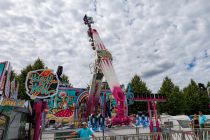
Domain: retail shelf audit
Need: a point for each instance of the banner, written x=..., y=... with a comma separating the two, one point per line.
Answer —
x=7, y=86
x=3, y=66
x=41, y=84
x=14, y=89
x=12, y=103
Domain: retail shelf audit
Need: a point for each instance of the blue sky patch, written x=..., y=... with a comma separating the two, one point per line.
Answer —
x=191, y=64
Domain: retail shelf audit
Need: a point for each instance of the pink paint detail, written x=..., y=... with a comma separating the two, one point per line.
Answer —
x=141, y=98
x=110, y=63
x=89, y=102
x=103, y=62
x=107, y=62
x=103, y=47
x=121, y=121
x=99, y=47
x=94, y=31
x=155, y=116
x=120, y=118
x=120, y=98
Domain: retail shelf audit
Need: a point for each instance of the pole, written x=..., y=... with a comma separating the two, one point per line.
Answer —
x=104, y=114
x=103, y=133
x=150, y=116
x=37, y=107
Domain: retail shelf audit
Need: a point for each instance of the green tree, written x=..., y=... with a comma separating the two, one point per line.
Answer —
x=38, y=64
x=174, y=103
x=196, y=99
x=208, y=84
x=139, y=88
x=65, y=79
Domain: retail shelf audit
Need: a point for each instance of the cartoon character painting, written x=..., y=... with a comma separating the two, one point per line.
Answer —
x=63, y=110
x=62, y=104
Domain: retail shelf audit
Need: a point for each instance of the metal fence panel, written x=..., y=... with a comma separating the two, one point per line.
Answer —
x=199, y=134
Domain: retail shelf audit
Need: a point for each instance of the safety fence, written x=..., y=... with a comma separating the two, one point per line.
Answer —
x=199, y=134
x=62, y=126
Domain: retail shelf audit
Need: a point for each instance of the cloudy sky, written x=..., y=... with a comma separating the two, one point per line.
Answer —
x=151, y=38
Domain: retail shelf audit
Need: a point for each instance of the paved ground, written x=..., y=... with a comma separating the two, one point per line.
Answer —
x=49, y=135
x=121, y=131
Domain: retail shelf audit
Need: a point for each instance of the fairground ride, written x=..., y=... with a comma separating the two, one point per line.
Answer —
x=103, y=68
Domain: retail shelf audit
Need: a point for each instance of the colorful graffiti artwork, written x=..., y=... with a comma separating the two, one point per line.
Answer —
x=70, y=103
x=62, y=104
x=41, y=84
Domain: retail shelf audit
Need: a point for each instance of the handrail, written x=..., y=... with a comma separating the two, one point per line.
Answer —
x=202, y=134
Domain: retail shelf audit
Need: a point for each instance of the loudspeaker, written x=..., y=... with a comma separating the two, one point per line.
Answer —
x=59, y=72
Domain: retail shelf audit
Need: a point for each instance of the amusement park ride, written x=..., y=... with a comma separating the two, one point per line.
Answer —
x=103, y=67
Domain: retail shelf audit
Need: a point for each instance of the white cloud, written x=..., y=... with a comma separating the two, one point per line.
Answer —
x=151, y=38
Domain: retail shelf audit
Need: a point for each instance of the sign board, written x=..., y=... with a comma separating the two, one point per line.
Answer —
x=7, y=86
x=3, y=66
x=104, y=54
x=14, y=89
x=12, y=103
x=41, y=84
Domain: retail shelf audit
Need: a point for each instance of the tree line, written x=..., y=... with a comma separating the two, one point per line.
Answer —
x=188, y=100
